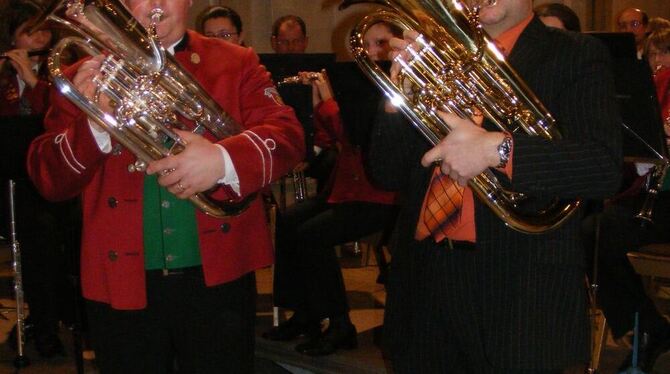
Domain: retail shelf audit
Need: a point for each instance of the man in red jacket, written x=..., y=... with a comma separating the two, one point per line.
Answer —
x=162, y=280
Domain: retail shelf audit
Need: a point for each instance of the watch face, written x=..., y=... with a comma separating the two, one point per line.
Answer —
x=504, y=149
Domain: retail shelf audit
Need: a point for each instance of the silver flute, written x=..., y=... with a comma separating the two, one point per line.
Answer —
x=21, y=360
x=297, y=79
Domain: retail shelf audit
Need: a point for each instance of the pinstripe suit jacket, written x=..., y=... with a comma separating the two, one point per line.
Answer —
x=535, y=319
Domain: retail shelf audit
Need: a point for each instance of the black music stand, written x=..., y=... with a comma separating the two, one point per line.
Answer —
x=636, y=95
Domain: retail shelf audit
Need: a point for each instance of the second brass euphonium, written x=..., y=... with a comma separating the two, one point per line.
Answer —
x=152, y=93
x=456, y=67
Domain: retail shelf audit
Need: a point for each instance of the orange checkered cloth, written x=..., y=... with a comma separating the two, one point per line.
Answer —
x=441, y=207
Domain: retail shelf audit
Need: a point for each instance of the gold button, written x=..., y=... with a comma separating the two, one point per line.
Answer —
x=195, y=58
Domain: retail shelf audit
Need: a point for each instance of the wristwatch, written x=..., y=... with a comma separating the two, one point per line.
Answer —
x=504, y=151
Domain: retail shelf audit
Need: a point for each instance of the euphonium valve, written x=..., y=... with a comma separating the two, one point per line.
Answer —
x=151, y=94
x=454, y=66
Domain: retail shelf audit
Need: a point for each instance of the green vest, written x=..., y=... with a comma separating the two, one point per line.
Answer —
x=170, y=229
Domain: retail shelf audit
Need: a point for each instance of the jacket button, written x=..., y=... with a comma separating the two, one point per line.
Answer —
x=116, y=150
x=225, y=227
x=112, y=202
x=112, y=255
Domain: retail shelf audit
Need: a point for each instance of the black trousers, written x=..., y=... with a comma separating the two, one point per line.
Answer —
x=186, y=325
x=467, y=310
x=308, y=277
x=620, y=289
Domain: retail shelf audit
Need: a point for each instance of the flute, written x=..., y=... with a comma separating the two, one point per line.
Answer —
x=37, y=52
x=297, y=79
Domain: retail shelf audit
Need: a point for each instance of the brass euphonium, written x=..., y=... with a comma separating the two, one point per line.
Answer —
x=151, y=92
x=456, y=67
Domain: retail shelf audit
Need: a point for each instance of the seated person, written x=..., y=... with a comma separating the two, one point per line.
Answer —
x=308, y=278
x=221, y=22
x=559, y=16
x=620, y=289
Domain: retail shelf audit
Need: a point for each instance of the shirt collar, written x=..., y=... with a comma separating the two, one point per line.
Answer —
x=180, y=45
x=508, y=38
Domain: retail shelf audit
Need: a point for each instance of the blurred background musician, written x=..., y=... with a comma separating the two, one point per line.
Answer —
x=221, y=22
x=289, y=35
x=657, y=23
x=42, y=227
x=635, y=21
x=308, y=278
x=558, y=15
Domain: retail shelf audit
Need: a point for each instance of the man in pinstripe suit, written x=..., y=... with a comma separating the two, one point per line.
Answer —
x=491, y=299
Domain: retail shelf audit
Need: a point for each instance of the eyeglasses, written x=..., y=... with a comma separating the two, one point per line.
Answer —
x=285, y=42
x=632, y=24
x=379, y=43
x=222, y=35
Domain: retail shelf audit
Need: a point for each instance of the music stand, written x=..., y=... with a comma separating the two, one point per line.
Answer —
x=636, y=95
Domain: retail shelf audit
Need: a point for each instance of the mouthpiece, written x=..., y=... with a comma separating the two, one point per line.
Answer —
x=156, y=15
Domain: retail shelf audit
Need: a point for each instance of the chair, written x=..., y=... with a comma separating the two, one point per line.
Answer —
x=652, y=262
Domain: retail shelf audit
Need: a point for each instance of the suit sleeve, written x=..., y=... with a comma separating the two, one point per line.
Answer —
x=273, y=141
x=396, y=148
x=586, y=163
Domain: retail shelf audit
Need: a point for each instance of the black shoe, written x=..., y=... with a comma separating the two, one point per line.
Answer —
x=652, y=346
x=28, y=334
x=49, y=345
x=292, y=328
x=338, y=335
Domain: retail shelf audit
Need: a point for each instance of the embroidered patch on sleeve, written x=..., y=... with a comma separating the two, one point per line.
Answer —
x=272, y=93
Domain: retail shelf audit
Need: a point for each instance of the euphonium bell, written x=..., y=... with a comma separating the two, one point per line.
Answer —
x=151, y=92
x=456, y=67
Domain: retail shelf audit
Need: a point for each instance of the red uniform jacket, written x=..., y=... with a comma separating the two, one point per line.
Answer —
x=66, y=161
x=349, y=180
x=38, y=96
x=662, y=81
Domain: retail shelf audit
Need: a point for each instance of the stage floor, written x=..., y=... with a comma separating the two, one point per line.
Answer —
x=366, y=299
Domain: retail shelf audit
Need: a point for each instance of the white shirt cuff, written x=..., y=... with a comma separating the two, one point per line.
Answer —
x=102, y=137
x=230, y=178
x=643, y=168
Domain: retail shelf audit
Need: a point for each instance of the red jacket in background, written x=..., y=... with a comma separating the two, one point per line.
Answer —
x=349, y=180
